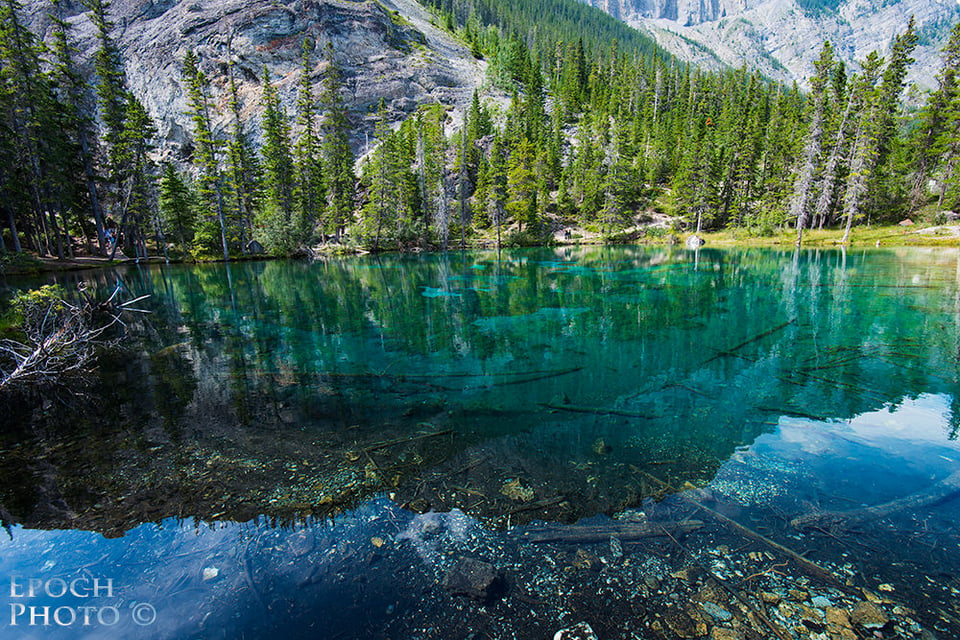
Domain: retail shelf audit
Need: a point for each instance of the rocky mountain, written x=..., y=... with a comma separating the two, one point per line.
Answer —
x=386, y=49
x=781, y=38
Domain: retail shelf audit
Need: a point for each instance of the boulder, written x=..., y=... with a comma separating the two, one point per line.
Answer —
x=869, y=616
x=475, y=579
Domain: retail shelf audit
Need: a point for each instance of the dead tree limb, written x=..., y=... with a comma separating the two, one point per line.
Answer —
x=759, y=336
x=834, y=520
x=623, y=531
x=810, y=567
x=59, y=341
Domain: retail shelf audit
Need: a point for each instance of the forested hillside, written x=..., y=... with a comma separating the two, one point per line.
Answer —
x=580, y=123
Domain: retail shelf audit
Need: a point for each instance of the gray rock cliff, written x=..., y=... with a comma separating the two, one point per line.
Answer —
x=781, y=39
x=387, y=49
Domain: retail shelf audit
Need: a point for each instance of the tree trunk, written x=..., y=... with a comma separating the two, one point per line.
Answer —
x=12, y=223
x=92, y=190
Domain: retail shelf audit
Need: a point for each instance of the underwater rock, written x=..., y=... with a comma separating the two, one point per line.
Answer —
x=685, y=625
x=821, y=602
x=301, y=543
x=616, y=549
x=723, y=633
x=475, y=579
x=868, y=616
x=838, y=623
x=579, y=631
x=418, y=505
x=717, y=612
x=688, y=575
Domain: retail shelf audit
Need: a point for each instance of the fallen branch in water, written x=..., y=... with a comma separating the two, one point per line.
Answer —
x=623, y=531
x=539, y=504
x=600, y=412
x=810, y=567
x=759, y=336
x=390, y=443
x=780, y=633
x=836, y=520
x=533, y=378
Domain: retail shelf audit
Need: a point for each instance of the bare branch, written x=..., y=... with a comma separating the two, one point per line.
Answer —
x=61, y=342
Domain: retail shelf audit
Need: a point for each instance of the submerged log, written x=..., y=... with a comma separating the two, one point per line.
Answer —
x=732, y=350
x=390, y=443
x=807, y=565
x=537, y=504
x=834, y=520
x=623, y=531
x=597, y=411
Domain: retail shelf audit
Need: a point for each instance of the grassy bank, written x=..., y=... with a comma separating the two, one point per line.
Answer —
x=882, y=236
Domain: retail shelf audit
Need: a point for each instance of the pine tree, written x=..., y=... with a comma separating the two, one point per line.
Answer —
x=884, y=187
x=863, y=151
x=73, y=87
x=430, y=150
x=176, y=206
x=339, y=178
x=804, y=186
x=279, y=224
x=243, y=168
x=206, y=155
x=826, y=199
x=379, y=176
x=308, y=159
x=938, y=120
x=111, y=91
x=497, y=199
x=133, y=148
x=30, y=132
x=522, y=186
x=617, y=182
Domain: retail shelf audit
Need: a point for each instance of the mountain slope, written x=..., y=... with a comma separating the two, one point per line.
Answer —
x=386, y=50
x=781, y=38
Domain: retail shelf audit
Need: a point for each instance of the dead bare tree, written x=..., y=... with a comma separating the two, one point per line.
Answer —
x=60, y=341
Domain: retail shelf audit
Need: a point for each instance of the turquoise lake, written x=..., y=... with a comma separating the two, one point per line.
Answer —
x=309, y=448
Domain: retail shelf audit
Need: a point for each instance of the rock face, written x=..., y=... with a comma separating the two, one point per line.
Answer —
x=780, y=38
x=386, y=49
x=683, y=12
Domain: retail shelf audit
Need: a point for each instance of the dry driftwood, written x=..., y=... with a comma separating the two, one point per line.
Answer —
x=834, y=520
x=60, y=342
x=623, y=531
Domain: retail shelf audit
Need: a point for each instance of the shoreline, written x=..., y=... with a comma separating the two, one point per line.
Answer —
x=889, y=236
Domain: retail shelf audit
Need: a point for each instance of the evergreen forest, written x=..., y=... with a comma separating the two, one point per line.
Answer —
x=582, y=124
